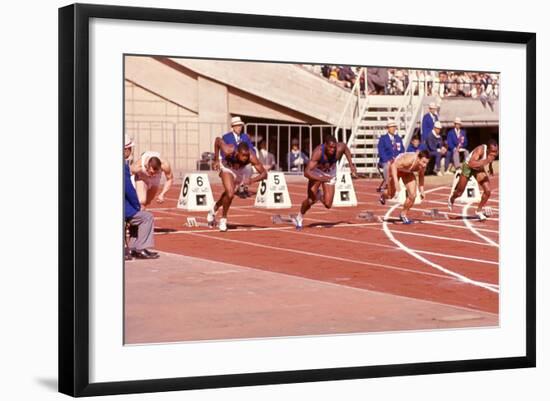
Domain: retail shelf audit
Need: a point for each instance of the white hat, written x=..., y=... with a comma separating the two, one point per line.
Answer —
x=432, y=106
x=128, y=143
x=236, y=121
x=437, y=124
x=391, y=123
x=458, y=120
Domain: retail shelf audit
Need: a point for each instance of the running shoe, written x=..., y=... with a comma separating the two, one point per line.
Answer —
x=211, y=217
x=481, y=216
x=405, y=219
x=439, y=174
x=223, y=224
x=299, y=221
x=382, y=199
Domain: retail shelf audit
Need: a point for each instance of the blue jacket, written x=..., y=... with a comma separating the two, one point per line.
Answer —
x=433, y=143
x=291, y=158
x=229, y=138
x=131, y=201
x=453, y=140
x=411, y=148
x=427, y=125
x=388, y=150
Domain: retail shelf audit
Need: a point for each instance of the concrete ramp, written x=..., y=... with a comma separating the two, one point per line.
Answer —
x=178, y=298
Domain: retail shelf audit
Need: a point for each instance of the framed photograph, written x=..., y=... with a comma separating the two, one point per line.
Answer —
x=252, y=199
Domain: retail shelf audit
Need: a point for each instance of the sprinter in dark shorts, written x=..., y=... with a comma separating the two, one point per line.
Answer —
x=321, y=173
x=475, y=165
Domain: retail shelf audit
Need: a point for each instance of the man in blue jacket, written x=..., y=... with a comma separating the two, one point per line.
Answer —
x=142, y=224
x=436, y=147
x=458, y=143
x=390, y=146
x=428, y=121
x=235, y=137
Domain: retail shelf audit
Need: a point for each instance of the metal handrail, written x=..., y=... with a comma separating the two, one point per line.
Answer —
x=355, y=94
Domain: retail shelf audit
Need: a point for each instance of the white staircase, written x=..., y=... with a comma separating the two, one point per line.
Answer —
x=371, y=115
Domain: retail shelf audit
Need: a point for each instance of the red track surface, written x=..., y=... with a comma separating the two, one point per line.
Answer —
x=335, y=246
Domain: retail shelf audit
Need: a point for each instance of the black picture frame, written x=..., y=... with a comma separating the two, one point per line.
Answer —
x=74, y=198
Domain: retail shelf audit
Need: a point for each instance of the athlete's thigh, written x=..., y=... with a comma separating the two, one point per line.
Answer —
x=410, y=183
x=151, y=193
x=228, y=182
x=328, y=192
x=483, y=180
x=461, y=184
x=312, y=188
x=141, y=190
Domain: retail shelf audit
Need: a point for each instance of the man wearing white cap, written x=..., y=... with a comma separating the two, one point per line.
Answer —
x=457, y=142
x=428, y=121
x=390, y=146
x=128, y=149
x=235, y=137
x=436, y=147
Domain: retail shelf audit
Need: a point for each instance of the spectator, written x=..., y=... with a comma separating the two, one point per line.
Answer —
x=377, y=80
x=390, y=146
x=128, y=148
x=428, y=121
x=235, y=137
x=346, y=75
x=142, y=224
x=458, y=143
x=436, y=147
x=414, y=146
x=296, y=158
x=266, y=158
x=487, y=96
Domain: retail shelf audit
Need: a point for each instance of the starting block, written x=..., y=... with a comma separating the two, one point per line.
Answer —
x=489, y=211
x=436, y=214
x=369, y=216
x=283, y=219
x=192, y=222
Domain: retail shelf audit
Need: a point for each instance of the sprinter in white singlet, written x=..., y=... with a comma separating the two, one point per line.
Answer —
x=147, y=171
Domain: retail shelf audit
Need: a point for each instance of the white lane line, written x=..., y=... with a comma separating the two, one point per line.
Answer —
x=322, y=256
x=461, y=226
x=329, y=283
x=445, y=203
x=487, y=286
x=443, y=255
x=473, y=229
x=439, y=237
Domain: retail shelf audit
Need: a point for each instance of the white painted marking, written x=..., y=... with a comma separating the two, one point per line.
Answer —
x=461, y=227
x=443, y=255
x=329, y=283
x=487, y=286
x=472, y=228
x=322, y=256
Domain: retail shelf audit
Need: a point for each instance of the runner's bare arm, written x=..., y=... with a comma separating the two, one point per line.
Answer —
x=475, y=163
x=312, y=164
x=421, y=182
x=352, y=167
x=393, y=172
x=491, y=171
x=262, y=172
x=136, y=167
x=167, y=169
x=219, y=144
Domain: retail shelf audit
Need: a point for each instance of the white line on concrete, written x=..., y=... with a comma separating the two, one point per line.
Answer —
x=487, y=286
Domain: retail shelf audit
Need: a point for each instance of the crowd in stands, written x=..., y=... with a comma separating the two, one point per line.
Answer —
x=394, y=81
